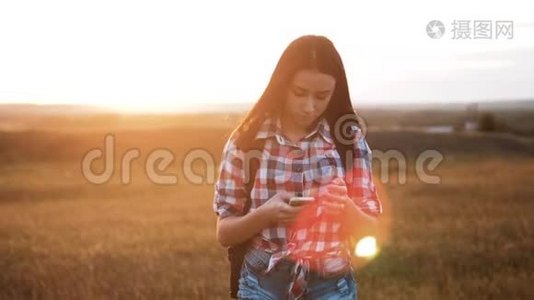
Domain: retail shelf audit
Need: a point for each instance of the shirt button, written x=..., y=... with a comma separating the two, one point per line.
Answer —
x=299, y=169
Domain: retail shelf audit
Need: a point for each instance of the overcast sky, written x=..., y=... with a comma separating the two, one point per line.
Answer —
x=171, y=55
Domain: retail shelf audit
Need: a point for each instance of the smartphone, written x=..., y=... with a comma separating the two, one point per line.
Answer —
x=299, y=201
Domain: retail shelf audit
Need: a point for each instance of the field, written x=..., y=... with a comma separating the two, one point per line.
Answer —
x=471, y=236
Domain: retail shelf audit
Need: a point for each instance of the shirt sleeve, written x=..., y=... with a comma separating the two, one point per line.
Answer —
x=230, y=195
x=362, y=188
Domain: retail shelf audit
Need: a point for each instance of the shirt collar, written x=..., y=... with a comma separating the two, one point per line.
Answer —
x=272, y=126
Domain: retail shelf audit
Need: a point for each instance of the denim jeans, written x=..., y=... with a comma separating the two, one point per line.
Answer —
x=253, y=284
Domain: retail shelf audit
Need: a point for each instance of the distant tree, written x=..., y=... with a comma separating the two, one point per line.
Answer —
x=487, y=122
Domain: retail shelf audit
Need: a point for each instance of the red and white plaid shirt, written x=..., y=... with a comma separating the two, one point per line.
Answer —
x=300, y=167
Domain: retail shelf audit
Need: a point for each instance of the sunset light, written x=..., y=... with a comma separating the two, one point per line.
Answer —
x=171, y=56
x=366, y=247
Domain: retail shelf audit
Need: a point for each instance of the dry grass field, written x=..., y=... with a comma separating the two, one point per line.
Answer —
x=469, y=237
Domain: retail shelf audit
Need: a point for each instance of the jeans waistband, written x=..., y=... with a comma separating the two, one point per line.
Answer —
x=259, y=259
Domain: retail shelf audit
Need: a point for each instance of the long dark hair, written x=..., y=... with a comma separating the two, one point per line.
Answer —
x=306, y=52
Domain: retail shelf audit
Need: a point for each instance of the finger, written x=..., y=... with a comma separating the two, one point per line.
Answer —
x=284, y=219
x=334, y=190
x=335, y=198
x=295, y=210
x=284, y=195
x=337, y=189
x=333, y=205
x=339, y=180
x=289, y=213
x=286, y=208
x=288, y=219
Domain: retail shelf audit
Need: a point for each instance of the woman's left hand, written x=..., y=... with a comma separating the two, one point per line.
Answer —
x=334, y=197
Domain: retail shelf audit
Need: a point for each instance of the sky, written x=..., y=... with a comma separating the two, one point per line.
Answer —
x=178, y=55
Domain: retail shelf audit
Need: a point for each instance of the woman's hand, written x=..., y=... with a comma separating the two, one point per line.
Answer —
x=334, y=197
x=277, y=210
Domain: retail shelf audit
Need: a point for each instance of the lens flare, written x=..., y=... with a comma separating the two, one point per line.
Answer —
x=366, y=247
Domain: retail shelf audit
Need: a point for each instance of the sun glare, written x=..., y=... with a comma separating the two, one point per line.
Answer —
x=187, y=57
x=366, y=247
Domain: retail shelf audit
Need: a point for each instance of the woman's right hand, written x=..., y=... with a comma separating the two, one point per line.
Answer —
x=277, y=210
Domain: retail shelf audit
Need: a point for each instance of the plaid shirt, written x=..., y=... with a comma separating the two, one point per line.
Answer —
x=299, y=168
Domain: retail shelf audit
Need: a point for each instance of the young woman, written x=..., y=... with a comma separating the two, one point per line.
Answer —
x=298, y=252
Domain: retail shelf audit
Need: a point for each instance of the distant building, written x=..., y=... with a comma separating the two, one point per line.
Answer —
x=470, y=126
x=440, y=129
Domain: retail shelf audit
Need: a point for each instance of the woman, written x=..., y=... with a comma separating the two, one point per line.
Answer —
x=298, y=252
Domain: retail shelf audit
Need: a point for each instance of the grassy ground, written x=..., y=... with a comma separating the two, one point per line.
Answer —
x=469, y=237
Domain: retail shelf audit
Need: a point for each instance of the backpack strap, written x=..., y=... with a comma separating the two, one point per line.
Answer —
x=254, y=166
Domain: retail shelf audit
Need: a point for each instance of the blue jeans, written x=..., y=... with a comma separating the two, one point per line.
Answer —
x=274, y=285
